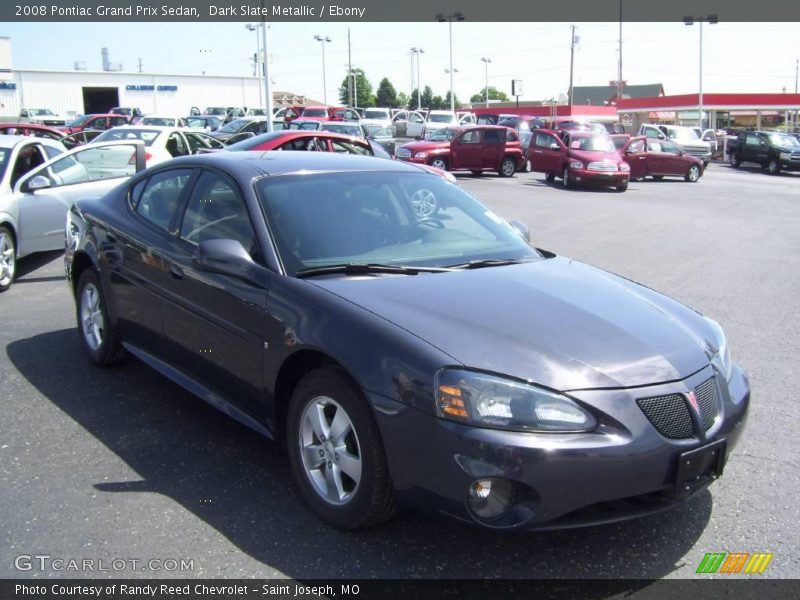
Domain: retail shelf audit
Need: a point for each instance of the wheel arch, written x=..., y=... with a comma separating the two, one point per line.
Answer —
x=81, y=261
x=8, y=224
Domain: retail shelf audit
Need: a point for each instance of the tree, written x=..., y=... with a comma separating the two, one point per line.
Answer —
x=435, y=103
x=427, y=97
x=411, y=102
x=494, y=94
x=363, y=90
x=446, y=102
x=386, y=94
x=402, y=100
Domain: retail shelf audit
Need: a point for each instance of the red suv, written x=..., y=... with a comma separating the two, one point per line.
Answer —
x=102, y=122
x=476, y=149
x=578, y=157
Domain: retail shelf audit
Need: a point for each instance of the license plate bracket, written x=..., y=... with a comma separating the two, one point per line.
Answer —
x=699, y=467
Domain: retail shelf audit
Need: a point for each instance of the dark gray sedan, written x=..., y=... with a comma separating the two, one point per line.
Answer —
x=409, y=346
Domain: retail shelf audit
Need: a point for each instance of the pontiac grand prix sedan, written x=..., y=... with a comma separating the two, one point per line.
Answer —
x=429, y=360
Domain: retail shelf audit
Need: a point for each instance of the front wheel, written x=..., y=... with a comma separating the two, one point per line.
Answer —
x=773, y=167
x=94, y=326
x=8, y=259
x=336, y=453
x=621, y=187
x=734, y=160
x=507, y=168
x=439, y=163
x=693, y=174
x=550, y=177
x=565, y=178
x=477, y=172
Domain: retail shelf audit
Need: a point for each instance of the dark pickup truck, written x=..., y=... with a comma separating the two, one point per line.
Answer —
x=774, y=151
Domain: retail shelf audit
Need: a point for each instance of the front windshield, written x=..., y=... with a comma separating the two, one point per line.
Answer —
x=395, y=218
x=126, y=133
x=41, y=112
x=79, y=121
x=216, y=110
x=234, y=126
x=159, y=121
x=315, y=112
x=345, y=129
x=676, y=133
x=783, y=140
x=440, y=135
x=595, y=143
x=442, y=118
x=372, y=113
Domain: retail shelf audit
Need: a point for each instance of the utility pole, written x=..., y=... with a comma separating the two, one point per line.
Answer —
x=349, y=72
x=140, y=70
x=449, y=18
x=571, y=64
x=486, y=62
x=619, y=70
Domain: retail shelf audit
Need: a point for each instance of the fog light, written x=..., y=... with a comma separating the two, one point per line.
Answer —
x=490, y=498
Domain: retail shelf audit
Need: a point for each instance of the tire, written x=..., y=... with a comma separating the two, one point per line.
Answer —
x=477, y=173
x=550, y=177
x=439, y=163
x=526, y=166
x=658, y=177
x=565, y=178
x=94, y=327
x=693, y=174
x=622, y=187
x=8, y=259
x=734, y=160
x=344, y=501
x=773, y=167
x=507, y=168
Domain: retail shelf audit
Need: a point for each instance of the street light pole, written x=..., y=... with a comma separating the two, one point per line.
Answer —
x=449, y=18
x=256, y=64
x=712, y=20
x=486, y=62
x=417, y=52
x=322, y=40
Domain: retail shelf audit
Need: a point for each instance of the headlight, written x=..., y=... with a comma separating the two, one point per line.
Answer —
x=625, y=167
x=421, y=154
x=785, y=156
x=489, y=401
x=720, y=357
x=575, y=164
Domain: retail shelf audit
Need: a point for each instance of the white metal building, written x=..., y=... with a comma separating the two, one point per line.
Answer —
x=71, y=93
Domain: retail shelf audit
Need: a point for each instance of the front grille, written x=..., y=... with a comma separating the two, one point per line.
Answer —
x=669, y=415
x=697, y=151
x=403, y=153
x=707, y=396
x=602, y=166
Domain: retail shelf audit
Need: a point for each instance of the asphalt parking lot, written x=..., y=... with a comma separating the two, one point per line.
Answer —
x=122, y=464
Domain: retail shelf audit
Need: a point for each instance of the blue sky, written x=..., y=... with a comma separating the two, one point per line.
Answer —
x=744, y=57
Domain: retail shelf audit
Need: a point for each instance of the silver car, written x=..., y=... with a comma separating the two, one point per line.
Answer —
x=39, y=181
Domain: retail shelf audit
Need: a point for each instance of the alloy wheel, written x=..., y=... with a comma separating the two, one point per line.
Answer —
x=8, y=259
x=330, y=450
x=93, y=325
x=439, y=163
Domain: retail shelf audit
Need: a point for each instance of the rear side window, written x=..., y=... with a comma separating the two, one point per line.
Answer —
x=492, y=136
x=158, y=200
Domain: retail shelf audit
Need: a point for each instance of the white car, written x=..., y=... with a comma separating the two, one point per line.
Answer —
x=409, y=123
x=162, y=143
x=40, y=180
x=439, y=119
x=162, y=121
x=377, y=116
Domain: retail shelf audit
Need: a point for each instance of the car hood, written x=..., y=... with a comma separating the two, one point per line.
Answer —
x=555, y=322
x=425, y=146
x=594, y=156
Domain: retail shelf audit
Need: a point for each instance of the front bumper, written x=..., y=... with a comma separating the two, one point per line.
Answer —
x=414, y=159
x=602, y=178
x=623, y=469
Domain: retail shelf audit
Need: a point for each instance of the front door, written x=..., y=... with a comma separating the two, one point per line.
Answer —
x=466, y=151
x=546, y=152
x=635, y=154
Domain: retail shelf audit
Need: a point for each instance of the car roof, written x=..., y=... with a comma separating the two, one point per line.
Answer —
x=297, y=162
x=9, y=141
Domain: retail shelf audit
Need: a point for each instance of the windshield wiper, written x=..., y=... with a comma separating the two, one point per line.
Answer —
x=366, y=268
x=488, y=262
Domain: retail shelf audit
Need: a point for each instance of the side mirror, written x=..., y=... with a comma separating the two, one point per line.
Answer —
x=522, y=230
x=553, y=146
x=38, y=182
x=226, y=257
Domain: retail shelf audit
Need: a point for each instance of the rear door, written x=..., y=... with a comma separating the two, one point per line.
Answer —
x=546, y=152
x=493, y=146
x=85, y=172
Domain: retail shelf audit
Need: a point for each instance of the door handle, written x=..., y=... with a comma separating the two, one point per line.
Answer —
x=176, y=272
x=537, y=151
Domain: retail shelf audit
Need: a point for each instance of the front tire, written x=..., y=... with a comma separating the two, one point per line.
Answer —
x=8, y=259
x=621, y=187
x=97, y=336
x=439, y=163
x=336, y=453
x=693, y=174
x=565, y=178
x=734, y=161
x=550, y=177
x=773, y=167
x=507, y=168
x=477, y=173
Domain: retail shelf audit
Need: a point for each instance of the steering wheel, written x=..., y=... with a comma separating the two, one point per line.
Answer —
x=423, y=203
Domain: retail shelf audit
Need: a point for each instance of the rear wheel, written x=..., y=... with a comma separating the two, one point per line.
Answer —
x=477, y=172
x=658, y=177
x=773, y=167
x=565, y=178
x=336, y=453
x=734, y=160
x=8, y=259
x=526, y=166
x=94, y=326
x=693, y=174
x=439, y=163
x=550, y=177
x=507, y=168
